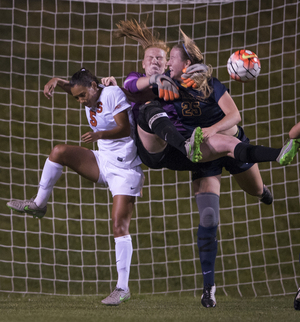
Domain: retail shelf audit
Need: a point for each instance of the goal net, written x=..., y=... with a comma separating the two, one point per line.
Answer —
x=71, y=250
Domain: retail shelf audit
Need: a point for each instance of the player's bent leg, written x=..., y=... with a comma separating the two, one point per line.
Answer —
x=154, y=119
x=218, y=146
x=251, y=182
x=77, y=158
x=150, y=141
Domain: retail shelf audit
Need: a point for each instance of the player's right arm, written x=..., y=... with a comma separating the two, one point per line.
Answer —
x=167, y=89
x=139, y=95
x=50, y=86
x=143, y=83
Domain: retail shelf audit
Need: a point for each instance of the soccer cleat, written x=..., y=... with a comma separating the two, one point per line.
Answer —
x=266, y=196
x=27, y=206
x=288, y=151
x=297, y=300
x=192, y=145
x=116, y=297
x=208, y=297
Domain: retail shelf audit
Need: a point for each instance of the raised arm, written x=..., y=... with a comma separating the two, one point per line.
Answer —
x=50, y=86
x=232, y=117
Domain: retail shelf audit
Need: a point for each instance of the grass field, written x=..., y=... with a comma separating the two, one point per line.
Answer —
x=146, y=308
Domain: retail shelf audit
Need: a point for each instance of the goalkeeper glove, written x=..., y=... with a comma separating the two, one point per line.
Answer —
x=192, y=72
x=167, y=89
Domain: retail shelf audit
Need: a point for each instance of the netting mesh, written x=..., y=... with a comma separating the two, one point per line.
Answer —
x=71, y=250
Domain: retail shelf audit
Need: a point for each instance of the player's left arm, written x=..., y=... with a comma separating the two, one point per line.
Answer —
x=121, y=130
x=232, y=116
x=117, y=104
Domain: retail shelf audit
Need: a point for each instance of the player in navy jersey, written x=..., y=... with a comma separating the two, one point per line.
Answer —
x=115, y=164
x=206, y=176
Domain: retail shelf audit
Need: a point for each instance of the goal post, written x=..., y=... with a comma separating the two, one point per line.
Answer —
x=71, y=250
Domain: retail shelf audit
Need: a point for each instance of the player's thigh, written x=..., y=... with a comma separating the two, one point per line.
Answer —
x=151, y=142
x=79, y=159
x=207, y=185
x=218, y=146
x=250, y=181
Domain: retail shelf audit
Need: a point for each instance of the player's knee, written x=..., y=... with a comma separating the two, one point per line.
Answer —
x=57, y=153
x=149, y=113
x=208, y=206
x=120, y=229
x=209, y=218
x=150, y=106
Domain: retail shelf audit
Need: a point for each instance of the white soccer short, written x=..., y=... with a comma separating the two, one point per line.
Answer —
x=120, y=181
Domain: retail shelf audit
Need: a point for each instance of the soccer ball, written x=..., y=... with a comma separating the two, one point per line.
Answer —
x=243, y=65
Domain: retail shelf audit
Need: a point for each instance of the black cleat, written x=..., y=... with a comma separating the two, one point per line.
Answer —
x=208, y=297
x=266, y=196
x=297, y=300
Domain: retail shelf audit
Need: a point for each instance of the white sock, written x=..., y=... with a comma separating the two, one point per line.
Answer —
x=51, y=173
x=124, y=251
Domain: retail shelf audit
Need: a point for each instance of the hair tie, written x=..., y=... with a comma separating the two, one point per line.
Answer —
x=187, y=52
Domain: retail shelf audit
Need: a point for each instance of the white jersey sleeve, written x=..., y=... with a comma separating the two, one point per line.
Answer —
x=115, y=99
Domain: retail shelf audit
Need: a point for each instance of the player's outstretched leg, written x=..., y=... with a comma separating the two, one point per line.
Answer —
x=27, y=206
x=37, y=206
x=116, y=297
x=288, y=151
x=192, y=145
x=297, y=300
x=208, y=298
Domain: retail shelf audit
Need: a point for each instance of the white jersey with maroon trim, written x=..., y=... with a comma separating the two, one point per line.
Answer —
x=120, y=152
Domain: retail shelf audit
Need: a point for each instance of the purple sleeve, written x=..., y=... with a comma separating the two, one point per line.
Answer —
x=130, y=81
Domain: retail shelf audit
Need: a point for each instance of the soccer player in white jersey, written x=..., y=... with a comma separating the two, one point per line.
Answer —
x=115, y=163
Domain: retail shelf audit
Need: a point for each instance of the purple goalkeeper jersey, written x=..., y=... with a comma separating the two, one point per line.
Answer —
x=130, y=85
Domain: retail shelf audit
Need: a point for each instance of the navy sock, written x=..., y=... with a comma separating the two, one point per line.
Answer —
x=208, y=248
